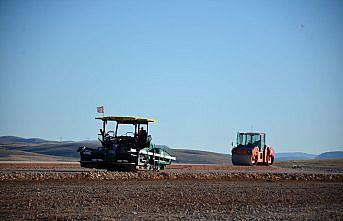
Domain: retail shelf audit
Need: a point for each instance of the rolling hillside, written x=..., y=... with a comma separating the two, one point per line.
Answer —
x=18, y=148
x=199, y=157
x=34, y=149
x=18, y=155
x=330, y=155
x=294, y=156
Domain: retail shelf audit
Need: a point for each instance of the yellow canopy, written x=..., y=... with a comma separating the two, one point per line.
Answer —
x=127, y=119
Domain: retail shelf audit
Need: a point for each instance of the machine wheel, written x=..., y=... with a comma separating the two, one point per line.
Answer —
x=270, y=160
x=253, y=160
x=243, y=160
x=149, y=167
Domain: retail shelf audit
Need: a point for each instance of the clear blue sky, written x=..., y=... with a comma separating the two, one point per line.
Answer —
x=204, y=69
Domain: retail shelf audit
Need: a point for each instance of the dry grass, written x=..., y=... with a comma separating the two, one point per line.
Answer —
x=38, y=165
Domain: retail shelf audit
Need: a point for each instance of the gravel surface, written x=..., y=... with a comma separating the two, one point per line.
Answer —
x=171, y=200
x=50, y=191
x=169, y=175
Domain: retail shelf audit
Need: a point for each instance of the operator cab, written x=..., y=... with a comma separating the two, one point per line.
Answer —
x=128, y=130
x=250, y=139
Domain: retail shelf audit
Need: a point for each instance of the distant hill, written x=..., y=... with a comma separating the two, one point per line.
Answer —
x=12, y=147
x=14, y=139
x=44, y=148
x=34, y=148
x=330, y=155
x=18, y=155
x=199, y=157
x=294, y=156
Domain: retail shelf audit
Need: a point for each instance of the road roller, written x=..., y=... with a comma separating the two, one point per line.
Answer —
x=251, y=149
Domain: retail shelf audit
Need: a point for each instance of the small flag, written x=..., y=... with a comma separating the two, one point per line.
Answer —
x=100, y=109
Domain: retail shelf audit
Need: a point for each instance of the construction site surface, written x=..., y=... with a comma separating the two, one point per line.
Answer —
x=298, y=190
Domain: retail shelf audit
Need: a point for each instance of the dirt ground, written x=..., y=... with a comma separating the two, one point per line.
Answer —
x=183, y=192
x=312, y=166
x=171, y=200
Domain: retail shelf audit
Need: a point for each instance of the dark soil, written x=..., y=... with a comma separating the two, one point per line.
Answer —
x=171, y=200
